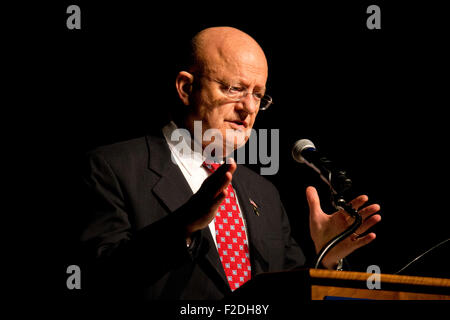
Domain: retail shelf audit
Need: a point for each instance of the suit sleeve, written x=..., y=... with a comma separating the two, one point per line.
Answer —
x=116, y=254
x=294, y=257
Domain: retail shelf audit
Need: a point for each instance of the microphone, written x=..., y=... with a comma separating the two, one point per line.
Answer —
x=304, y=151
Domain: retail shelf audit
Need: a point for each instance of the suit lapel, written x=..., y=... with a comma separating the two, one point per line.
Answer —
x=173, y=190
x=254, y=223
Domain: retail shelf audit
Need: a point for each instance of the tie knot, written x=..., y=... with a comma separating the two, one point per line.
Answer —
x=211, y=167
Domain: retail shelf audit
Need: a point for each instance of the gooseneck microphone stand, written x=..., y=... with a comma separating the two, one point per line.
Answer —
x=339, y=203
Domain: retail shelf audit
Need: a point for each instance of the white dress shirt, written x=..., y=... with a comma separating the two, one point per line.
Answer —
x=190, y=164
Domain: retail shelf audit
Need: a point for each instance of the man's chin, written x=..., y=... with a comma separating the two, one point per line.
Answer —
x=230, y=146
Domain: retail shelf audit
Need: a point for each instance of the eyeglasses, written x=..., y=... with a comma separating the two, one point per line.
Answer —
x=237, y=92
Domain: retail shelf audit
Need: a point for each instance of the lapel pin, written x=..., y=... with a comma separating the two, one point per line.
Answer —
x=255, y=206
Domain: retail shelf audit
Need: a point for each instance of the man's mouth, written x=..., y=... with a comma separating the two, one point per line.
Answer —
x=238, y=124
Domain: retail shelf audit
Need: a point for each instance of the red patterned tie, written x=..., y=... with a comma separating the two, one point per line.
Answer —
x=231, y=239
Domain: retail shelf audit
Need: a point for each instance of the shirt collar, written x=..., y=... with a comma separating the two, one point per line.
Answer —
x=179, y=141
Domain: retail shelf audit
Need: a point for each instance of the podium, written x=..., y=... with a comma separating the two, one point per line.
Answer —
x=320, y=284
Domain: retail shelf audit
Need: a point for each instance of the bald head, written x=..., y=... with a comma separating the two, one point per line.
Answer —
x=217, y=48
x=227, y=65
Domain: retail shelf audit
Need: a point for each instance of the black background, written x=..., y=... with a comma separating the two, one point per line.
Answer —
x=373, y=100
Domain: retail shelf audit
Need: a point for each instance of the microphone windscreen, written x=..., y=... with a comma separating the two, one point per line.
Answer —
x=299, y=146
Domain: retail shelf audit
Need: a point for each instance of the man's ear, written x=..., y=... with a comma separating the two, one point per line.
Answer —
x=183, y=83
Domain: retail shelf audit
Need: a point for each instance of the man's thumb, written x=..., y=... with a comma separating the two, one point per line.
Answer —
x=313, y=199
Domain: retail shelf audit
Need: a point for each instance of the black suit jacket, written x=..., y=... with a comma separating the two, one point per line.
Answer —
x=133, y=238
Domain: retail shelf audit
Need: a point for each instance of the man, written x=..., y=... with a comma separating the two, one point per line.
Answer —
x=159, y=221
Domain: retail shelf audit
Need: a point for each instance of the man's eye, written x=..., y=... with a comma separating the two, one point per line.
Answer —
x=258, y=95
x=236, y=89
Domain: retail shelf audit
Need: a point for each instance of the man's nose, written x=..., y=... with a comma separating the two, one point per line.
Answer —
x=249, y=103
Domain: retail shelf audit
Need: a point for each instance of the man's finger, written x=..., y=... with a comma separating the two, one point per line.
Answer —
x=219, y=199
x=227, y=166
x=369, y=223
x=313, y=200
x=216, y=176
x=359, y=242
x=359, y=201
x=218, y=181
x=370, y=210
x=224, y=185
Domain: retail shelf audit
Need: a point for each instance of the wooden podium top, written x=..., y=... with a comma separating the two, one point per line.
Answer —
x=385, y=278
x=328, y=284
x=320, y=284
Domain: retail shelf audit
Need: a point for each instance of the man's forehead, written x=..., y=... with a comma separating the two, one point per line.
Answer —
x=229, y=48
x=241, y=68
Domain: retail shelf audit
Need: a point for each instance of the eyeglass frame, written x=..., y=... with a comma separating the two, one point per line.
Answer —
x=244, y=90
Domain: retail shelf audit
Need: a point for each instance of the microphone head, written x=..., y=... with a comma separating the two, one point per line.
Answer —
x=299, y=146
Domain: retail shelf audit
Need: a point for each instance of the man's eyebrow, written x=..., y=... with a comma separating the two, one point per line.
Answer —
x=259, y=89
x=263, y=88
x=245, y=84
